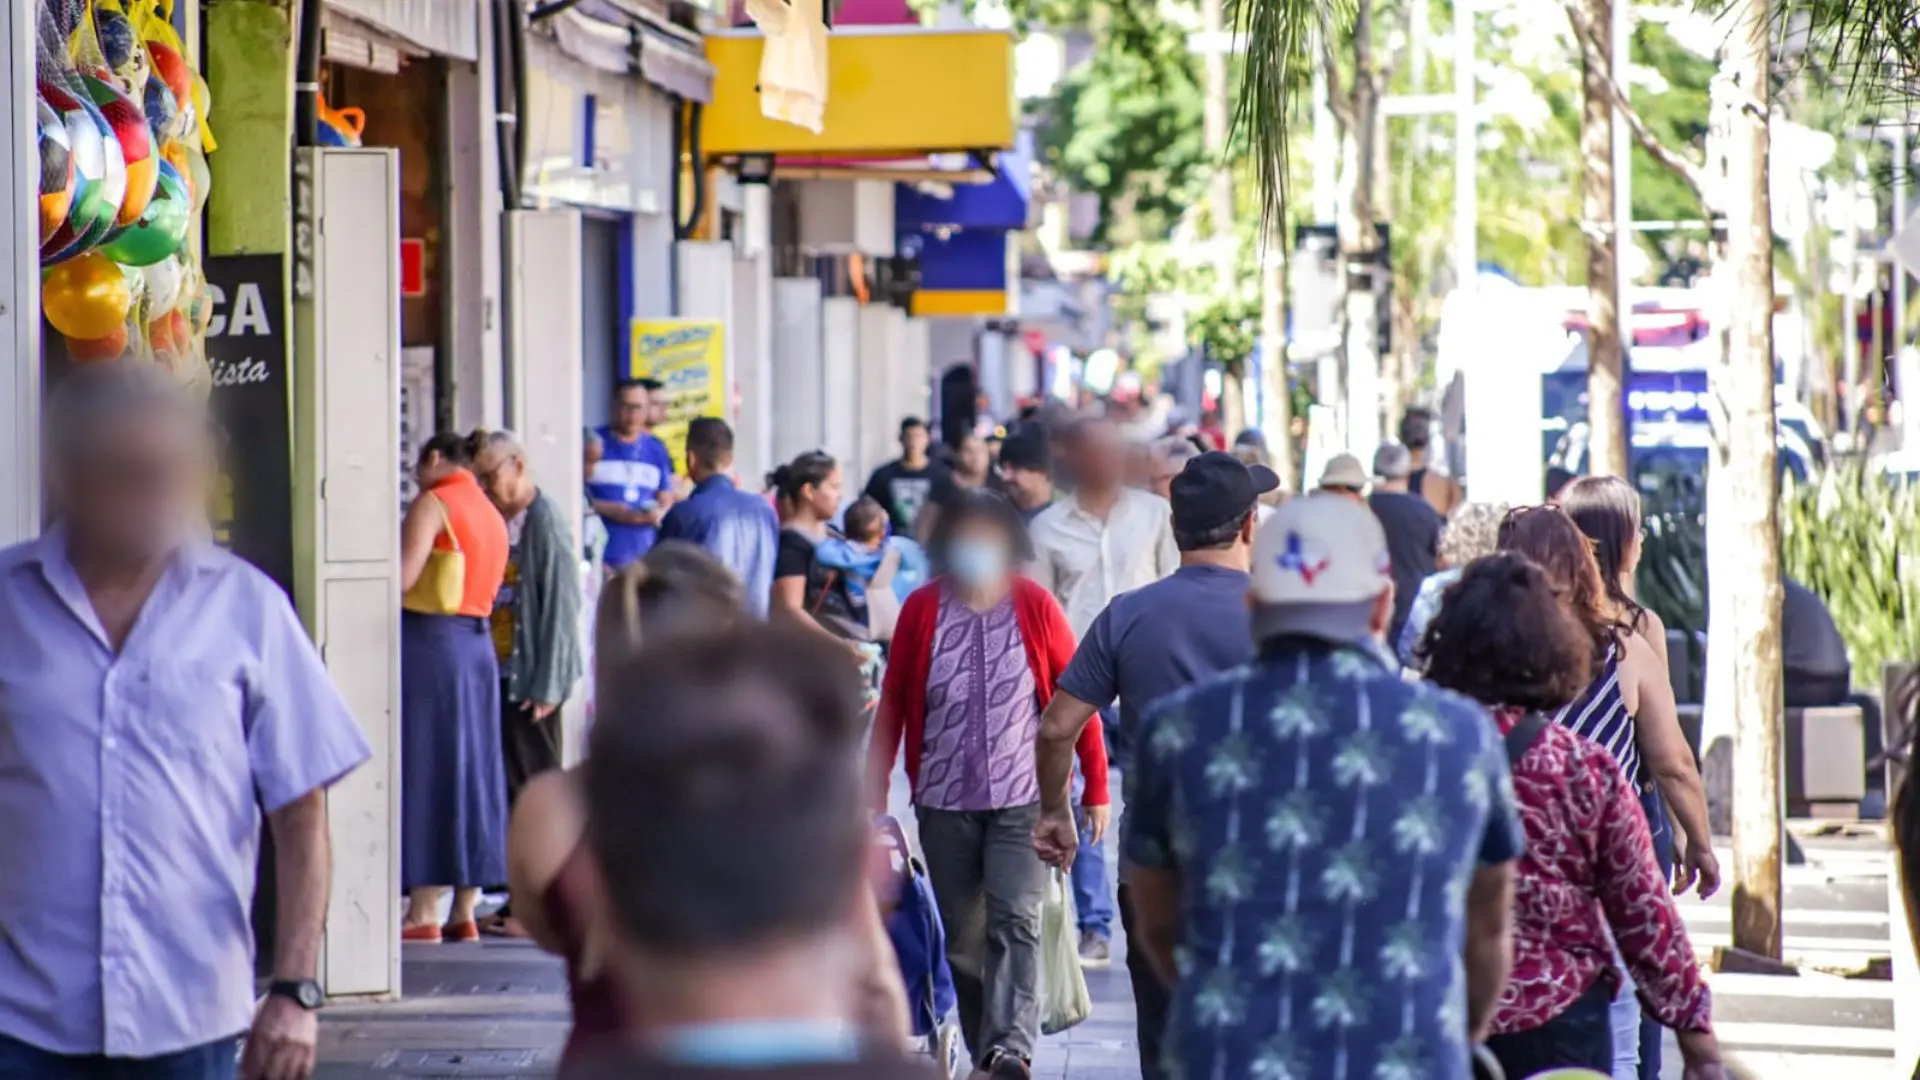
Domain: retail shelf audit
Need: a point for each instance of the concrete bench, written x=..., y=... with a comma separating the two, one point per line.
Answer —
x=1823, y=760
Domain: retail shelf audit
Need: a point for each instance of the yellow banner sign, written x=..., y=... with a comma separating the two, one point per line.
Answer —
x=690, y=357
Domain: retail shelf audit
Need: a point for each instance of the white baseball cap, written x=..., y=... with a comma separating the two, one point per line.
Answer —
x=1319, y=564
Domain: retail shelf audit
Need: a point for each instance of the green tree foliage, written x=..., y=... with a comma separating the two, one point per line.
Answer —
x=1125, y=126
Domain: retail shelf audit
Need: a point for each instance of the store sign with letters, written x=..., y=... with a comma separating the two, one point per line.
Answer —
x=690, y=357
x=247, y=352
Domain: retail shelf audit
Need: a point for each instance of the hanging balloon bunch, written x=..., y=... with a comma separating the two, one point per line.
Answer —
x=123, y=145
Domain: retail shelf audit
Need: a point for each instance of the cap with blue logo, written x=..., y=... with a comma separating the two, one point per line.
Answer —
x=1319, y=565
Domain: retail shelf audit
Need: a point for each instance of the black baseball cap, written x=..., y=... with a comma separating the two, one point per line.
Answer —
x=1215, y=488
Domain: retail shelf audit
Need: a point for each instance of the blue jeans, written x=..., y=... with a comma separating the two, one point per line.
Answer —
x=1092, y=895
x=215, y=1061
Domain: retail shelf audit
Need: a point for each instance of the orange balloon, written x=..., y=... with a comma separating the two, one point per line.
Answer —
x=111, y=347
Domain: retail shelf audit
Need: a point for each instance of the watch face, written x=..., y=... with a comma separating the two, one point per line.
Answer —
x=310, y=995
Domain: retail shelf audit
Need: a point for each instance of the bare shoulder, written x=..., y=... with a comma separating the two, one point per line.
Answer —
x=1652, y=627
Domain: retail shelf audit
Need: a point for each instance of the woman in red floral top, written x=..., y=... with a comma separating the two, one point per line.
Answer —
x=1588, y=878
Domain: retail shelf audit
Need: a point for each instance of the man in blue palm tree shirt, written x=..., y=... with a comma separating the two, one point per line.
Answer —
x=632, y=483
x=1329, y=848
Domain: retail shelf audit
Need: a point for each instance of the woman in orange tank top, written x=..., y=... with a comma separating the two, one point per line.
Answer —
x=453, y=788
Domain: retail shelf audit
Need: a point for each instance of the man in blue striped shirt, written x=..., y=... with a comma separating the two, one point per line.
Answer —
x=632, y=483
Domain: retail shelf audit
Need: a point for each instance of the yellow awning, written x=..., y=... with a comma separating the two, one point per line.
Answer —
x=891, y=91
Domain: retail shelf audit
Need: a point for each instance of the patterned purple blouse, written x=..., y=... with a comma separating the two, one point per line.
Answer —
x=982, y=712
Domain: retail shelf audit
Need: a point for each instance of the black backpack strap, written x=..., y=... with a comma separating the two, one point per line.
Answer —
x=1523, y=735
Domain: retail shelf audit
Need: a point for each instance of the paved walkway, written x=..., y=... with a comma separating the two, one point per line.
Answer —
x=499, y=1009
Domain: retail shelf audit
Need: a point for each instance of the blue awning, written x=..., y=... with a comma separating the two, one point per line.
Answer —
x=1001, y=204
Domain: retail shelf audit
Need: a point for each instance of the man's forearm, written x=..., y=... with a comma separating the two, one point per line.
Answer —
x=1060, y=728
x=303, y=871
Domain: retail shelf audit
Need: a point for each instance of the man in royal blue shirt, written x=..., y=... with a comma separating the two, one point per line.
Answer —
x=632, y=483
x=736, y=527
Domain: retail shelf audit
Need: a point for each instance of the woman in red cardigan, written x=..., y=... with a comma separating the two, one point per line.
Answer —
x=974, y=658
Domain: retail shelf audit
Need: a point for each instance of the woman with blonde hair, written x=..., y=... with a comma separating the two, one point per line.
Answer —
x=676, y=590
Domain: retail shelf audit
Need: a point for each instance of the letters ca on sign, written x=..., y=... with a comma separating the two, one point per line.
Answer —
x=244, y=314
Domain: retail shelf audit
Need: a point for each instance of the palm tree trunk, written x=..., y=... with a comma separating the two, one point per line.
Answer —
x=1743, y=549
x=1216, y=119
x=1359, y=243
x=1606, y=418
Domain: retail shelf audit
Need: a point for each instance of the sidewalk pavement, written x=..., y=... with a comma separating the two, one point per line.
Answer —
x=499, y=1009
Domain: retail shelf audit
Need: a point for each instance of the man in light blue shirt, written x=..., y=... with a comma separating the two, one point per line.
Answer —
x=157, y=696
x=735, y=527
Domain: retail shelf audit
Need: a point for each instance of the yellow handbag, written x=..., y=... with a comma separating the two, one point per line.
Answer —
x=443, y=581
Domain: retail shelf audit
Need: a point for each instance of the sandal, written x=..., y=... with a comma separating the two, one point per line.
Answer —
x=424, y=934
x=461, y=931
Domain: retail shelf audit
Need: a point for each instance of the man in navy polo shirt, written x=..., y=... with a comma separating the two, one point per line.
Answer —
x=1149, y=643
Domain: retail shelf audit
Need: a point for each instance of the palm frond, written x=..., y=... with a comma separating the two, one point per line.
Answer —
x=1872, y=46
x=1276, y=37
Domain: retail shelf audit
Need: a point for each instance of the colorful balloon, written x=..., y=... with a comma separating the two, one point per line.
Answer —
x=171, y=69
x=86, y=297
x=163, y=281
x=129, y=124
x=111, y=347
x=163, y=111
x=118, y=43
x=88, y=149
x=56, y=169
x=160, y=230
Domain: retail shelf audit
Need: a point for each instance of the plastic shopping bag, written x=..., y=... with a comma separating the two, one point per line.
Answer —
x=1064, y=1001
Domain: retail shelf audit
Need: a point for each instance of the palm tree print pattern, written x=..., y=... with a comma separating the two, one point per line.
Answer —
x=1325, y=818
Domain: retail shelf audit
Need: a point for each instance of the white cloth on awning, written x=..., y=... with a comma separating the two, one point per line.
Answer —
x=793, y=69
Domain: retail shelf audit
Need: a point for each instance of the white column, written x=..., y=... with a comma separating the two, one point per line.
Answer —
x=913, y=380
x=472, y=245
x=879, y=347
x=752, y=333
x=797, y=371
x=19, y=278
x=839, y=364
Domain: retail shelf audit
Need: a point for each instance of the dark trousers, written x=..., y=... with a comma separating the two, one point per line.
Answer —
x=23, y=1061
x=1580, y=1037
x=1151, y=998
x=529, y=747
x=1661, y=826
x=989, y=887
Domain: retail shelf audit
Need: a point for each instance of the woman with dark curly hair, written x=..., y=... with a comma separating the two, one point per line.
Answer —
x=1588, y=878
x=1628, y=709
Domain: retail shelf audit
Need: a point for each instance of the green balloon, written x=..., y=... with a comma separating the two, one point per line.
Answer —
x=161, y=229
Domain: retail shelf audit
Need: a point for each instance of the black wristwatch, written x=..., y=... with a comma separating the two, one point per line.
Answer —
x=305, y=993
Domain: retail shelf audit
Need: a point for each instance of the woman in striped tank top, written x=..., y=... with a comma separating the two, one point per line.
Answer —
x=1629, y=707
x=1629, y=710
